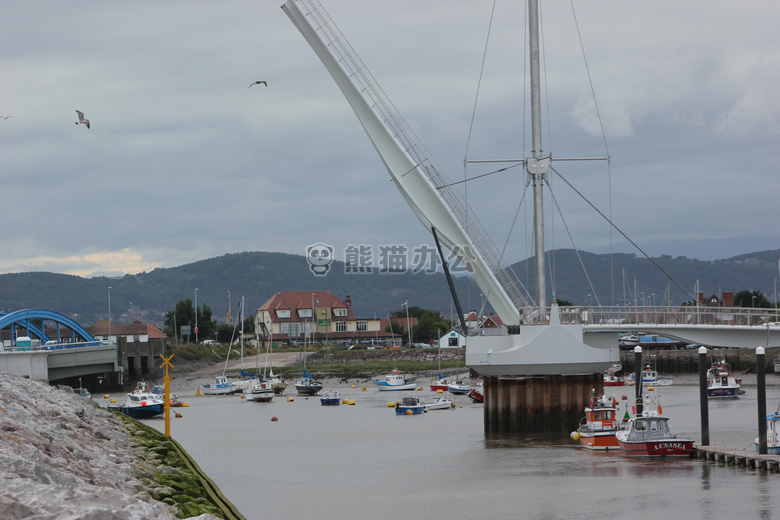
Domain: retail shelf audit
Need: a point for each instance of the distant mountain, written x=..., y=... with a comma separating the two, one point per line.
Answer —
x=259, y=275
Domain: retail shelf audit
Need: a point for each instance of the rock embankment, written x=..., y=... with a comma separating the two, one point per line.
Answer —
x=61, y=456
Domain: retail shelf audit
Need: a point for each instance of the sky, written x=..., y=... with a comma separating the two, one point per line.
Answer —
x=184, y=161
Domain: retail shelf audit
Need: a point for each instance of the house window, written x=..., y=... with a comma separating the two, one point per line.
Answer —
x=284, y=328
x=295, y=330
x=362, y=325
x=283, y=313
x=304, y=313
x=340, y=313
x=341, y=326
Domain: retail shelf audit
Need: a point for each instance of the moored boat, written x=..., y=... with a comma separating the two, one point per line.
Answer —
x=650, y=377
x=330, y=398
x=772, y=434
x=440, y=402
x=394, y=381
x=141, y=403
x=458, y=388
x=220, y=386
x=610, y=377
x=477, y=393
x=259, y=391
x=308, y=385
x=721, y=383
x=598, y=428
x=650, y=436
x=409, y=406
x=440, y=384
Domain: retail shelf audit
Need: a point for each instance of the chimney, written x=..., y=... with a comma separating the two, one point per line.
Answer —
x=728, y=299
x=701, y=297
x=348, y=301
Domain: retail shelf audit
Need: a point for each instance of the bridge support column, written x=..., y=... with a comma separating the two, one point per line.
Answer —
x=539, y=404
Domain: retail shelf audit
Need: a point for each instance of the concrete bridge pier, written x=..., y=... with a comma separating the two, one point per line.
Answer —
x=538, y=404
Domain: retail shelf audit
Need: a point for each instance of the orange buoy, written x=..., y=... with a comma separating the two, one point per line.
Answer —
x=274, y=419
x=177, y=415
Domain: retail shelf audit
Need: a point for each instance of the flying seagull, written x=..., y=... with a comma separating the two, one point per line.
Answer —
x=81, y=120
x=259, y=83
x=6, y=117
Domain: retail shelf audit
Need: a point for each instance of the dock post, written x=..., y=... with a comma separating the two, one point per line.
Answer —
x=638, y=379
x=761, y=397
x=705, y=413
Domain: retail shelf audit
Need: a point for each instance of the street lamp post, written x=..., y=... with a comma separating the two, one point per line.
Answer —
x=109, y=313
x=196, y=315
x=408, y=324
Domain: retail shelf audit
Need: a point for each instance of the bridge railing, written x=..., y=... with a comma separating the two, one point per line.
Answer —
x=59, y=346
x=660, y=315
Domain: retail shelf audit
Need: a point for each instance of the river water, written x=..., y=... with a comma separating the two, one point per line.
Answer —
x=363, y=461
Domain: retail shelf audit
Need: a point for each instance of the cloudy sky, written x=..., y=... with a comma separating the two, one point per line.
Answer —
x=184, y=161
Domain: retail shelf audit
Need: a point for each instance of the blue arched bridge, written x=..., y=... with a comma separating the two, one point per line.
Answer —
x=44, y=345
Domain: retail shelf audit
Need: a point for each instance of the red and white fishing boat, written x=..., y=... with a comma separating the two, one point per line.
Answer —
x=649, y=435
x=598, y=428
x=477, y=393
x=610, y=379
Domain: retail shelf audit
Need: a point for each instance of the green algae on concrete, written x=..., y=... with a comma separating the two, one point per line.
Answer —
x=169, y=475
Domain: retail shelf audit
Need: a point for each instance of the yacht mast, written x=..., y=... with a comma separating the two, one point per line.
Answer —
x=537, y=166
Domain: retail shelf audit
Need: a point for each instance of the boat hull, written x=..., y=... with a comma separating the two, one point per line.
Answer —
x=657, y=448
x=384, y=387
x=723, y=392
x=600, y=441
x=142, y=412
x=330, y=401
x=308, y=388
x=405, y=410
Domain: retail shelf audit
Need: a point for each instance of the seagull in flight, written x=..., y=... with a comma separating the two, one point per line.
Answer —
x=259, y=83
x=6, y=117
x=81, y=120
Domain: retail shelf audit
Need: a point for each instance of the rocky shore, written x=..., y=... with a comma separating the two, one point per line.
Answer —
x=61, y=456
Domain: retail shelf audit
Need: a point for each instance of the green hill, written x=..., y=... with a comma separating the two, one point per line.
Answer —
x=259, y=275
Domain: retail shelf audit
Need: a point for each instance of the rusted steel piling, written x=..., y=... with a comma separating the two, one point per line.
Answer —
x=539, y=404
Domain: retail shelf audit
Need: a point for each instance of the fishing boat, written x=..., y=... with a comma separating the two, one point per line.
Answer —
x=629, y=340
x=440, y=402
x=141, y=403
x=610, y=377
x=440, y=384
x=721, y=383
x=394, y=381
x=220, y=386
x=772, y=434
x=598, y=428
x=330, y=398
x=259, y=391
x=650, y=377
x=477, y=393
x=649, y=435
x=409, y=406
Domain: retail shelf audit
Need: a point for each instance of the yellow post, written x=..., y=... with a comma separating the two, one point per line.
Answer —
x=166, y=364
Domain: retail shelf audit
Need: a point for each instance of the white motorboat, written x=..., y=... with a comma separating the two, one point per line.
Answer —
x=440, y=402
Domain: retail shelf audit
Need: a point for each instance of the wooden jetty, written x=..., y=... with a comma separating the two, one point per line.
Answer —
x=734, y=457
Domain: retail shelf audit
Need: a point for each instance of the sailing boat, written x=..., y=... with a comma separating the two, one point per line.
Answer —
x=308, y=385
x=277, y=383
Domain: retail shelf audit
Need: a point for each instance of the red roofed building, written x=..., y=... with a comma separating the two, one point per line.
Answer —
x=319, y=316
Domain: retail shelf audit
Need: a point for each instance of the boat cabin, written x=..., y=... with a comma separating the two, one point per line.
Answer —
x=601, y=415
x=649, y=429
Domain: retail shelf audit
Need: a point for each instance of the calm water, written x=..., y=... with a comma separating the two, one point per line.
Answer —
x=363, y=461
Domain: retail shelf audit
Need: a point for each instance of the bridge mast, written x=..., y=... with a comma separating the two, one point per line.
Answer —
x=537, y=166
